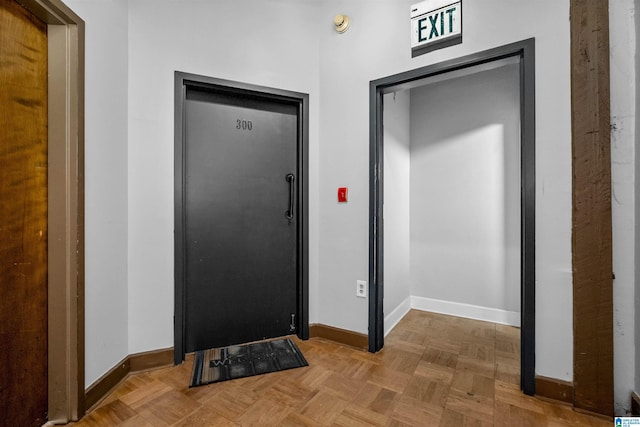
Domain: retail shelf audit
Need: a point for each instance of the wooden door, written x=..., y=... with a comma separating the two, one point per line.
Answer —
x=23, y=216
x=241, y=219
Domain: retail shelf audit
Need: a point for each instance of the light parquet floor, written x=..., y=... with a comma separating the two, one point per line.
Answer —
x=434, y=370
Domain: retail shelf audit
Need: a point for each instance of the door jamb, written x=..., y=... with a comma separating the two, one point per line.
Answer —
x=301, y=100
x=526, y=51
x=66, y=347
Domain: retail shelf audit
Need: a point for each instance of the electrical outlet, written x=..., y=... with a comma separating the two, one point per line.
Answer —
x=361, y=288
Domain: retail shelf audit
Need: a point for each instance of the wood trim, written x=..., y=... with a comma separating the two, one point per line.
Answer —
x=635, y=404
x=99, y=389
x=342, y=336
x=131, y=364
x=66, y=232
x=592, y=235
x=554, y=389
x=65, y=378
x=151, y=360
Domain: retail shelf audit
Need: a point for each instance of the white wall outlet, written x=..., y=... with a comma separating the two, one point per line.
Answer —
x=361, y=288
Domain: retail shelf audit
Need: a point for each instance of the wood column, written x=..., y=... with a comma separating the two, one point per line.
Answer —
x=592, y=240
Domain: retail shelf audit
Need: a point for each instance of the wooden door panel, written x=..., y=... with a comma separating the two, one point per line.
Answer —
x=23, y=216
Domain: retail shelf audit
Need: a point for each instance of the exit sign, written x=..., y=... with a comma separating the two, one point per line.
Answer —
x=435, y=24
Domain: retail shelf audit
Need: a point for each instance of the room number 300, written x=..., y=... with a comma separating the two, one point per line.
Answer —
x=244, y=124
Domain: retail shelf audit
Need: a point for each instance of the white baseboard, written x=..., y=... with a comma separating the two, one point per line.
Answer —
x=468, y=311
x=392, y=319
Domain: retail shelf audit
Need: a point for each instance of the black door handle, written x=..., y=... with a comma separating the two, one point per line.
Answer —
x=290, y=179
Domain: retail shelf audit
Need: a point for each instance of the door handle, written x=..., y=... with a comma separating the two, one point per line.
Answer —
x=290, y=179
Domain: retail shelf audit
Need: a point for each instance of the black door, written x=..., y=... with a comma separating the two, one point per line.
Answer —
x=240, y=218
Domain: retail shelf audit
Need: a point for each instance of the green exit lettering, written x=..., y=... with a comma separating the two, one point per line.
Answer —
x=437, y=25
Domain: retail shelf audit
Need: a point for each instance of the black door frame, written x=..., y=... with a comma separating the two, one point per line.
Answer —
x=241, y=90
x=525, y=50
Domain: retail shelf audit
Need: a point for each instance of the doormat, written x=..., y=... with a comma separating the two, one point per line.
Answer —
x=239, y=361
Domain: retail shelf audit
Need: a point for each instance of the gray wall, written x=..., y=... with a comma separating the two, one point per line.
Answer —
x=397, y=271
x=465, y=189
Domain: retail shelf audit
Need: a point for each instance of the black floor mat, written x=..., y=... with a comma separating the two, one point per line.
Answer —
x=239, y=361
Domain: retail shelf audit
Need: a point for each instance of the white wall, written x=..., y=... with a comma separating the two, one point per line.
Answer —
x=465, y=191
x=396, y=217
x=106, y=315
x=264, y=42
x=377, y=45
x=622, y=41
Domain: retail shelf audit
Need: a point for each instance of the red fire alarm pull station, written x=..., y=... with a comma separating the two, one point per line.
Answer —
x=342, y=194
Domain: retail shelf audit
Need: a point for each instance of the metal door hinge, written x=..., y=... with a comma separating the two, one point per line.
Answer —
x=292, y=326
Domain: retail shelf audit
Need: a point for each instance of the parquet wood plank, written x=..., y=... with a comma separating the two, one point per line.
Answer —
x=447, y=359
x=509, y=415
x=473, y=384
x=465, y=382
x=136, y=421
x=357, y=369
x=451, y=418
x=290, y=393
x=298, y=420
x=413, y=413
x=477, y=406
x=449, y=344
x=313, y=377
x=431, y=392
x=484, y=352
x=204, y=394
x=435, y=372
x=399, y=360
x=148, y=392
x=232, y=402
x=510, y=394
x=342, y=387
x=169, y=408
x=355, y=415
x=383, y=403
x=388, y=378
x=113, y=413
x=564, y=414
x=264, y=412
x=205, y=417
x=479, y=367
x=324, y=408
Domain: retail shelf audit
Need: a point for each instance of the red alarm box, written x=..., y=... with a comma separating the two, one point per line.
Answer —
x=343, y=194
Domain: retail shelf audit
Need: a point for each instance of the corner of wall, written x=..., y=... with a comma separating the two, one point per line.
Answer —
x=106, y=184
x=625, y=203
x=637, y=201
